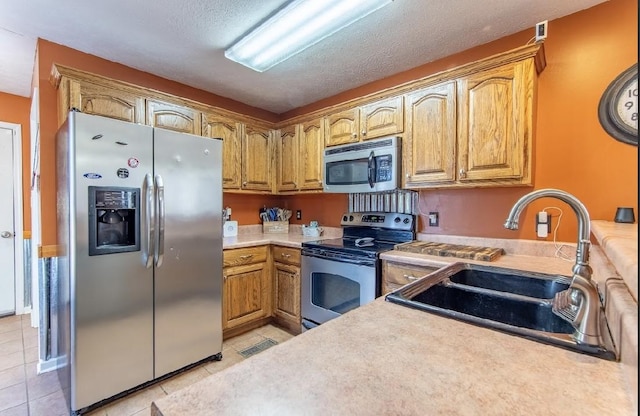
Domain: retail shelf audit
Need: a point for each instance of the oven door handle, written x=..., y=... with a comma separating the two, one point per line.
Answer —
x=371, y=168
x=341, y=259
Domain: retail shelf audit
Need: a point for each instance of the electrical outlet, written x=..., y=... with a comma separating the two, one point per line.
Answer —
x=543, y=224
x=433, y=219
x=541, y=31
x=299, y=214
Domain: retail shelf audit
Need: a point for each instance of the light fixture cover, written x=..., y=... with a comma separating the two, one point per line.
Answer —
x=295, y=27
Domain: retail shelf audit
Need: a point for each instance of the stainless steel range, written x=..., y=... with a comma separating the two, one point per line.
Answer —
x=340, y=274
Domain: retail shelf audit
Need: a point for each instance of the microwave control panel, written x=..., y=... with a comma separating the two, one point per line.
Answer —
x=384, y=168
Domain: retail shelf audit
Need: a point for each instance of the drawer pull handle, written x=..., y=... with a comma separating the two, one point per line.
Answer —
x=286, y=256
x=246, y=257
x=409, y=277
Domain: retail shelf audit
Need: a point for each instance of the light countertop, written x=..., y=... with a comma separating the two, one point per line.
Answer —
x=249, y=236
x=387, y=359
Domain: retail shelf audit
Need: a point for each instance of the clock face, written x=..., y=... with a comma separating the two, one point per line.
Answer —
x=627, y=105
x=618, y=109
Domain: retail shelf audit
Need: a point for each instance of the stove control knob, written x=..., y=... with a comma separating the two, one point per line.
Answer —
x=344, y=218
x=350, y=217
x=406, y=221
x=396, y=220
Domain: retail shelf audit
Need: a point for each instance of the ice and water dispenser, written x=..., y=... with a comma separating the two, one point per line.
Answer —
x=114, y=220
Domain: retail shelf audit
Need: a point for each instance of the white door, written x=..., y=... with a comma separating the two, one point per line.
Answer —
x=7, y=225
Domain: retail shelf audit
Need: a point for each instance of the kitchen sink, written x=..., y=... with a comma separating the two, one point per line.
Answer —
x=513, y=301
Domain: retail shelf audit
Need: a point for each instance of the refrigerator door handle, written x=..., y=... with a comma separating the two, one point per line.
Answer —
x=148, y=245
x=159, y=252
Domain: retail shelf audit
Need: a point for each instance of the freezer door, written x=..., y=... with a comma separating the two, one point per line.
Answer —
x=188, y=271
x=111, y=295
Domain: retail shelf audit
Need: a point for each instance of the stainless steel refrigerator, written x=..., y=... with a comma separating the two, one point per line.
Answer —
x=139, y=287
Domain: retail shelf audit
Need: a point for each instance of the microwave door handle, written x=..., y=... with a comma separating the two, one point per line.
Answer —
x=371, y=165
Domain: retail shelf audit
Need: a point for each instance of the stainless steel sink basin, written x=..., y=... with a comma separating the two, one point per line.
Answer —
x=512, y=301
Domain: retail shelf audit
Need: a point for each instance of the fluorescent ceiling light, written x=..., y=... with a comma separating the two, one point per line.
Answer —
x=294, y=28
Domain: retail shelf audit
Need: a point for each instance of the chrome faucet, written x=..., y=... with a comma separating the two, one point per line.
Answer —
x=580, y=304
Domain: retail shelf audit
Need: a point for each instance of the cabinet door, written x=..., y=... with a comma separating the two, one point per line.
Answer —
x=495, y=122
x=257, y=159
x=429, y=145
x=287, y=155
x=287, y=296
x=229, y=131
x=103, y=101
x=382, y=118
x=342, y=127
x=246, y=294
x=173, y=117
x=311, y=149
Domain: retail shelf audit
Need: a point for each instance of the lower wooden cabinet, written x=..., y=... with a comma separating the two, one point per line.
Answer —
x=396, y=275
x=261, y=285
x=286, y=281
x=246, y=287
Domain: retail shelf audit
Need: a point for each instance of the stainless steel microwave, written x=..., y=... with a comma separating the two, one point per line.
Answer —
x=370, y=166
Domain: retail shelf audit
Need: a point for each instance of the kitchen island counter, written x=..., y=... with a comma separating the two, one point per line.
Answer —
x=387, y=359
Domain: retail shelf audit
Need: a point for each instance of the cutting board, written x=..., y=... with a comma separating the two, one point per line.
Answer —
x=451, y=250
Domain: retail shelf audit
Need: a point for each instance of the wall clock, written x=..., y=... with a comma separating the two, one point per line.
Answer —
x=618, y=108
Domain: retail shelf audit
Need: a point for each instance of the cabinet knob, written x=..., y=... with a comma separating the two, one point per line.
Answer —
x=244, y=183
x=355, y=135
x=224, y=277
x=409, y=277
x=462, y=173
x=364, y=133
x=407, y=175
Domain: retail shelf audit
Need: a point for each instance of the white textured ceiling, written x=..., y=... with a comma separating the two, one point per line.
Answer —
x=184, y=40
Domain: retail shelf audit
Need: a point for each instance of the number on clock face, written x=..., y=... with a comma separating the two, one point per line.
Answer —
x=627, y=107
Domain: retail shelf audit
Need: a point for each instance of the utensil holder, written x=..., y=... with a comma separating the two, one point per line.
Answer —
x=275, y=227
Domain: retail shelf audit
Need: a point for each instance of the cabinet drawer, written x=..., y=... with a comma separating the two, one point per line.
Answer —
x=286, y=255
x=240, y=256
x=401, y=274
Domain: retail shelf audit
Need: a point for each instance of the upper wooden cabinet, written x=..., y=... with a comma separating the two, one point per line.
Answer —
x=474, y=131
x=287, y=157
x=99, y=100
x=257, y=158
x=380, y=118
x=173, y=117
x=299, y=157
x=429, y=144
x=495, y=124
x=342, y=127
x=311, y=141
x=219, y=126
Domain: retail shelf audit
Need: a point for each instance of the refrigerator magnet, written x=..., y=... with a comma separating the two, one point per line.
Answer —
x=133, y=162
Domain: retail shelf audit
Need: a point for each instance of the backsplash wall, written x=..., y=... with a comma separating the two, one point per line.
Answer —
x=324, y=208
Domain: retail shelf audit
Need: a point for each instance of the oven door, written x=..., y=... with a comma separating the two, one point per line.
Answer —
x=333, y=286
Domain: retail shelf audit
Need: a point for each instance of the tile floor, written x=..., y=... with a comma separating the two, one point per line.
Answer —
x=25, y=393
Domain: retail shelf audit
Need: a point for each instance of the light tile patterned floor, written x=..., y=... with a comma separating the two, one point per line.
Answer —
x=25, y=393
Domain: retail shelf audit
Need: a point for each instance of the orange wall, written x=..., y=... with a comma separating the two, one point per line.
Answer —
x=16, y=109
x=324, y=208
x=585, y=52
